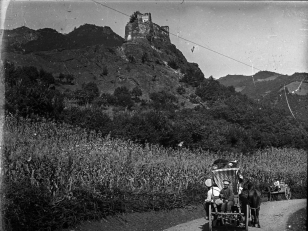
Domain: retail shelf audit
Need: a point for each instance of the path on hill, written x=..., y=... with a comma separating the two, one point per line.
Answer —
x=274, y=216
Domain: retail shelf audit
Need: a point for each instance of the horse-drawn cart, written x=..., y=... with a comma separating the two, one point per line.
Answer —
x=237, y=217
x=284, y=189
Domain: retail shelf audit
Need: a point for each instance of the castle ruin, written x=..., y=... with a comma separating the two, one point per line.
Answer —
x=143, y=28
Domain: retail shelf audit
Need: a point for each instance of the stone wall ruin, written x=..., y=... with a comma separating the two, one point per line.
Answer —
x=143, y=28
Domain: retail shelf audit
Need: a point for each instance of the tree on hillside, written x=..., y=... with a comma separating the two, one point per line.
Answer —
x=123, y=97
x=28, y=93
x=87, y=94
x=163, y=100
x=136, y=93
x=193, y=76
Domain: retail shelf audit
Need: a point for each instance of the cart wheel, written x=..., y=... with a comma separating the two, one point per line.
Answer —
x=287, y=193
x=210, y=218
x=247, y=217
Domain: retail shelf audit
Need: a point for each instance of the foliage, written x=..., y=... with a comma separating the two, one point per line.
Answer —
x=212, y=91
x=105, y=70
x=69, y=78
x=193, y=75
x=28, y=92
x=136, y=93
x=123, y=97
x=173, y=64
x=151, y=126
x=145, y=57
x=181, y=90
x=131, y=59
x=87, y=94
x=108, y=99
x=163, y=100
x=89, y=119
x=69, y=175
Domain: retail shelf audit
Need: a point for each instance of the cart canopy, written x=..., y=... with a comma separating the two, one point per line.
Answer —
x=231, y=174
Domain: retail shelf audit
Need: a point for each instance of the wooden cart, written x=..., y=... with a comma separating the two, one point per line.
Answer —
x=284, y=190
x=237, y=217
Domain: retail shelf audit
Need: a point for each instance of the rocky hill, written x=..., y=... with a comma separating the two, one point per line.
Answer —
x=96, y=54
x=268, y=87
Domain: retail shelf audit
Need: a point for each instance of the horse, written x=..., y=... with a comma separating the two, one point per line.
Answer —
x=251, y=196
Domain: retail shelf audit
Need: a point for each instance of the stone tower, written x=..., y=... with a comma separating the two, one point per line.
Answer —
x=144, y=29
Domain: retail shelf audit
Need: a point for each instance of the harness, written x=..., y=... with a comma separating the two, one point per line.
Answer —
x=255, y=208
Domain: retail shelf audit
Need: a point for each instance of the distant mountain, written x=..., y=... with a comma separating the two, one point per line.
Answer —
x=24, y=40
x=268, y=87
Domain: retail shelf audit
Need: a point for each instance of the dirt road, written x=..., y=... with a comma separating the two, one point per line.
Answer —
x=274, y=216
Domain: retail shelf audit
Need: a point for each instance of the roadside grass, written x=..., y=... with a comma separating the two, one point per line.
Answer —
x=56, y=175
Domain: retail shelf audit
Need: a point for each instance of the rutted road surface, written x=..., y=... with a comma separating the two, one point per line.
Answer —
x=273, y=217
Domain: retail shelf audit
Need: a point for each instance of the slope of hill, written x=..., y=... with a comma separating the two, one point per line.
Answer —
x=268, y=87
x=96, y=54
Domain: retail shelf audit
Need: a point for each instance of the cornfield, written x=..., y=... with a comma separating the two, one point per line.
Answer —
x=56, y=175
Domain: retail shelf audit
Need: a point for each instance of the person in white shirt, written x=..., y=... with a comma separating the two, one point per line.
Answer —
x=212, y=196
x=277, y=185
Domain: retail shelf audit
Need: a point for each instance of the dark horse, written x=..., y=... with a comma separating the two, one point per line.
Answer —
x=252, y=197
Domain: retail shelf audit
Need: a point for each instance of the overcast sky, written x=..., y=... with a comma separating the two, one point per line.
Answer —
x=270, y=35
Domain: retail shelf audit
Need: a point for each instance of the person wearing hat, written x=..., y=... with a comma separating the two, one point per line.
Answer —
x=227, y=196
x=212, y=196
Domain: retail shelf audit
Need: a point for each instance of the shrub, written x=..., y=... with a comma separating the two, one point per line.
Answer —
x=108, y=99
x=111, y=50
x=131, y=59
x=163, y=100
x=193, y=76
x=136, y=93
x=90, y=119
x=127, y=68
x=145, y=57
x=123, y=97
x=181, y=90
x=87, y=94
x=105, y=70
x=173, y=64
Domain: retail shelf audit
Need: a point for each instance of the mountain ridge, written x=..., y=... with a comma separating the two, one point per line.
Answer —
x=268, y=87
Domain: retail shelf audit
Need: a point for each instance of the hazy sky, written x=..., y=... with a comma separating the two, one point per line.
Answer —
x=270, y=35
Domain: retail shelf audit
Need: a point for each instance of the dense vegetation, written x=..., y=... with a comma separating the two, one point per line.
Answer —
x=57, y=175
x=223, y=121
x=75, y=161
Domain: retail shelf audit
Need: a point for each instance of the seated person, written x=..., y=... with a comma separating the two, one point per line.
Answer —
x=227, y=196
x=212, y=196
x=276, y=185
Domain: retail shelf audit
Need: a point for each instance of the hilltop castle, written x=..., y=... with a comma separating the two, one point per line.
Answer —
x=143, y=28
